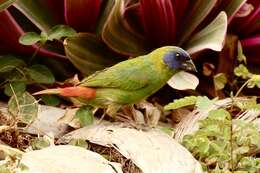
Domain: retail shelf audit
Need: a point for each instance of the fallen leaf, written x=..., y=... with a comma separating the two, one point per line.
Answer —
x=67, y=159
x=160, y=153
x=69, y=118
x=152, y=113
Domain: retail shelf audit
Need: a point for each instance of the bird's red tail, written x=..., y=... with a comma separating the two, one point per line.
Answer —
x=76, y=91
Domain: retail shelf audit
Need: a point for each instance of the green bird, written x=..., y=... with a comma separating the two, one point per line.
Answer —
x=130, y=81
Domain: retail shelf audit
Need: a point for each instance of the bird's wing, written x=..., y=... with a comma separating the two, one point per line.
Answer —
x=128, y=75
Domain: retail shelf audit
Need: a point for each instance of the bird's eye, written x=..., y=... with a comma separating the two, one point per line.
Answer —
x=178, y=56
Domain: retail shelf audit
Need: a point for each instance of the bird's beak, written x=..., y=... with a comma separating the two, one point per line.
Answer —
x=189, y=66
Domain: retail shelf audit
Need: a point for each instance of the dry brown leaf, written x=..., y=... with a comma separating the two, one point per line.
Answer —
x=66, y=159
x=151, y=150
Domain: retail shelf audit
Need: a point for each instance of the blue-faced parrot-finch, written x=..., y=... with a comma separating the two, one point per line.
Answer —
x=130, y=81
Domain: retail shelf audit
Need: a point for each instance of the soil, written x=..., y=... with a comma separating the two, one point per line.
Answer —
x=113, y=155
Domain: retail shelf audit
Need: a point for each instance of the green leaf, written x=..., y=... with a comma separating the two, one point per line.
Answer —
x=41, y=74
x=220, y=81
x=39, y=143
x=44, y=37
x=119, y=36
x=218, y=148
x=85, y=116
x=88, y=53
x=24, y=107
x=23, y=167
x=5, y=169
x=186, y=101
x=240, y=55
x=247, y=104
x=38, y=12
x=167, y=130
x=255, y=139
x=226, y=132
x=214, y=128
x=9, y=63
x=17, y=87
x=79, y=143
x=203, y=145
x=204, y=103
x=59, y=31
x=241, y=150
x=257, y=163
x=210, y=37
x=5, y=4
x=29, y=38
x=247, y=163
x=219, y=114
x=254, y=81
x=242, y=71
x=240, y=171
x=198, y=12
x=9, y=151
x=16, y=76
x=50, y=100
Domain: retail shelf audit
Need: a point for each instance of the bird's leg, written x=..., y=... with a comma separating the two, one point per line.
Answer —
x=102, y=117
x=111, y=110
x=134, y=113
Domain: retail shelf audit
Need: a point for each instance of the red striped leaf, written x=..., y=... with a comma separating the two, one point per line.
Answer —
x=196, y=13
x=250, y=24
x=251, y=47
x=180, y=8
x=159, y=21
x=120, y=36
x=10, y=32
x=38, y=12
x=88, y=53
x=82, y=14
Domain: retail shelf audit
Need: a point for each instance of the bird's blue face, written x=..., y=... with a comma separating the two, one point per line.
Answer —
x=179, y=60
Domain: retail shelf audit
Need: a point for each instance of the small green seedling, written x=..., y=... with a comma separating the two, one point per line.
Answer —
x=55, y=33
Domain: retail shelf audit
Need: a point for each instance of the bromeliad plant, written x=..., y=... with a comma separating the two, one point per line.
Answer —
x=127, y=27
x=112, y=30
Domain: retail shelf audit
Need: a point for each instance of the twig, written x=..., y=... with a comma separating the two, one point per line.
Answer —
x=16, y=100
x=242, y=87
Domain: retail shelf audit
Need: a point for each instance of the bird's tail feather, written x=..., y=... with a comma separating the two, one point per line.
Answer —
x=49, y=91
x=76, y=91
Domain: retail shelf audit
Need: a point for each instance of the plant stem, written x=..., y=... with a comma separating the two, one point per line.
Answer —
x=231, y=147
x=34, y=54
x=242, y=87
